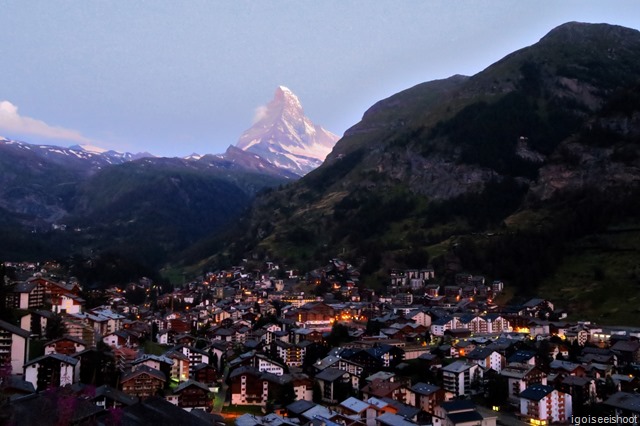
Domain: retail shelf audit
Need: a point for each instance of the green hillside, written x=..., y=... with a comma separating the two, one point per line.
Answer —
x=503, y=173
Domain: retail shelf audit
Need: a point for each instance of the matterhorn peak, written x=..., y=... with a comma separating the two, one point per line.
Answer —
x=285, y=90
x=285, y=137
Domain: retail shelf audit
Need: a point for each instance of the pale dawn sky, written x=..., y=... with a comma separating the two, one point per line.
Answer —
x=176, y=77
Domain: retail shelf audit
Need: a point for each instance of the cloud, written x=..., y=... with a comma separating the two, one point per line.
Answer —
x=11, y=121
x=259, y=114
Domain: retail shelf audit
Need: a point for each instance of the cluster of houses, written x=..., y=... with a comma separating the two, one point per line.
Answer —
x=243, y=340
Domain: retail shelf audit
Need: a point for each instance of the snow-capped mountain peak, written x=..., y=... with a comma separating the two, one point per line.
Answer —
x=285, y=137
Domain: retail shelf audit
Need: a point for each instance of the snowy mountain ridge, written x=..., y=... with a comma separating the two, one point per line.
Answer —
x=285, y=137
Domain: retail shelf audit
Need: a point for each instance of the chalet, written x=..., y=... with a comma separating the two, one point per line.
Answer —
x=196, y=356
x=497, y=286
x=474, y=323
x=179, y=325
x=248, y=386
x=595, y=355
x=581, y=389
x=354, y=369
x=292, y=354
x=184, y=339
x=310, y=335
x=25, y=295
x=463, y=348
x=628, y=350
x=487, y=359
x=384, y=376
x=389, y=419
x=357, y=409
x=271, y=330
x=522, y=357
x=453, y=292
x=116, y=339
x=624, y=404
x=319, y=414
x=103, y=321
x=537, y=307
x=14, y=386
x=579, y=334
x=165, y=336
x=53, y=370
x=206, y=374
x=378, y=357
x=217, y=351
x=302, y=386
x=111, y=398
x=459, y=376
x=97, y=367
x=156, y=362
x=259, y=361
x=36, y=322
x=381, y=407
x=297, y=408
x=565, y=368
x=521, y=376
x=420, y=317
x=316, y=315
x=14, y=346
x=440, y=325
x=334, y=384
x=143, y=382
x=192, y=395
x=425, y=396
x=66, y=303
x=379, y=388
x=225, y=334
x=496, y=323
x=430, y=361
x=403, y=411
x=460, y=412
x=65, y=346
x=541, y=403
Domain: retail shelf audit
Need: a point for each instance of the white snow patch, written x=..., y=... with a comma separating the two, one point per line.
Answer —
x=252, y=143
x=93, y=148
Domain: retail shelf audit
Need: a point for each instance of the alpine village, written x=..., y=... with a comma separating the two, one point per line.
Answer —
x=467, y=254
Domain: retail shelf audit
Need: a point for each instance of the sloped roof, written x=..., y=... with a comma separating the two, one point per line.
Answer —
x=457, y=367
x=465, y=417
x=158, y=411
x=244, y=370
x=480, y=353
x=626, y=346
x=300, y=406
x=14, y=329
x=521, y=356
x=24, y=287
x=144, y=369
x=625, y=401
x=536, y=392
x=393, y=420
x=60, y=357
x=354, y=404
x=189, y=383
x=458, y=406
x=330, y=374
x=114, y=394
x=424, y=388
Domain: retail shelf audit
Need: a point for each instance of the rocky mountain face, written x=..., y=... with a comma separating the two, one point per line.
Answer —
x=552, y=122
x=285, y=137
x=37, y=180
